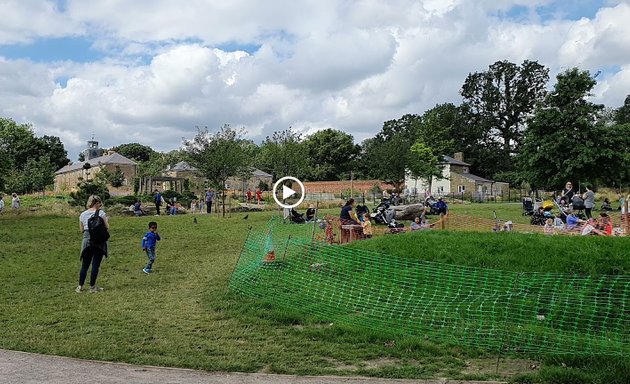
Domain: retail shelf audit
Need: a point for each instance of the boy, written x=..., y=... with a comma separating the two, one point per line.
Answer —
x=149, y=242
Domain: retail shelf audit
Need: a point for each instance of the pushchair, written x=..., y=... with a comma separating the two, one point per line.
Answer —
x=433, y=207
x=528, y=206
x=296, y=217
x=577, y=204
x=385, y=214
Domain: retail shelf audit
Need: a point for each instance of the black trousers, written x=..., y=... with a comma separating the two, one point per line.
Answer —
x=157, y=208
x=88, y=259
x=208, y=206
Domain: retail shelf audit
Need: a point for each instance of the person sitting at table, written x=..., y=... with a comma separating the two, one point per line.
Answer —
x=348, y=217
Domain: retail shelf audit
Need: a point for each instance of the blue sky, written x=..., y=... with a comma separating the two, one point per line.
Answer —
x=150, y=70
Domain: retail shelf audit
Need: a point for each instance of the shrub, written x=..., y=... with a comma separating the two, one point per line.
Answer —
x=85, y=190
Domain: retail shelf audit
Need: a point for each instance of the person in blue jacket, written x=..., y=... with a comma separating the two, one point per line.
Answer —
x=149, y=241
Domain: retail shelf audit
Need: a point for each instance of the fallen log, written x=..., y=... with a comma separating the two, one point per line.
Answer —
x=407, y=212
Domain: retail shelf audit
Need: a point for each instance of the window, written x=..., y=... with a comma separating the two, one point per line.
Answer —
x=461, y=188
x=440, y=189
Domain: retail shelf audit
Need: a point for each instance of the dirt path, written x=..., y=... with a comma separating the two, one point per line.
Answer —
x=29, y=368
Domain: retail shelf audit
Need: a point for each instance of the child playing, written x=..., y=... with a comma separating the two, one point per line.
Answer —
x=149, y=242
x=366, y=224
x=549, y=228
x=193, y=206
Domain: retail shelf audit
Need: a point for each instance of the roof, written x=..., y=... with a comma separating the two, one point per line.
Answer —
x=259, y=173
x=183, y=166
x=113, y=158
x=452, y=161
x=475, y=178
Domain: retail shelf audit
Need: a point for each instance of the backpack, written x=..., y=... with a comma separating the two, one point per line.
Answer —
x=98, y=230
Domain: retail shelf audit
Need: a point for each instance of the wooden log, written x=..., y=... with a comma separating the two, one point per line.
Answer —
x=407, y=212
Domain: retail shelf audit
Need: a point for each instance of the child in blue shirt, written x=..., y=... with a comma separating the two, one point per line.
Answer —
x=149, y=242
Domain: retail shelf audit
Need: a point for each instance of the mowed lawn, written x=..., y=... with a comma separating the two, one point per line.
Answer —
x=184, y=315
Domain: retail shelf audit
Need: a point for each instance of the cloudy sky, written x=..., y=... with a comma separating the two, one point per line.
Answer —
x=149, y=71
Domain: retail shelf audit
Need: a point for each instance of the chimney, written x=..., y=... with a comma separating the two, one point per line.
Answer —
x=459, y=156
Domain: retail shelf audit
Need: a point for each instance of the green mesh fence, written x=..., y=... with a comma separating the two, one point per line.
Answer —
x=483, y=308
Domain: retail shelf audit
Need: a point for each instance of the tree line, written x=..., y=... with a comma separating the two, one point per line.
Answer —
x=510, y=126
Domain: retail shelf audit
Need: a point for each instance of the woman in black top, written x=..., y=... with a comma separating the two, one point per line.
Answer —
x=347, y=216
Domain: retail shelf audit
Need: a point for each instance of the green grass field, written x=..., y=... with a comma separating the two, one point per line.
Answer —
x=184, y=315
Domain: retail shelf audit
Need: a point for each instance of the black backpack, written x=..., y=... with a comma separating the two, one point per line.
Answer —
x=98, y=230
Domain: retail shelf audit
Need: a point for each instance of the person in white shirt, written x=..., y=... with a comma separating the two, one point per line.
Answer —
x=15, y=201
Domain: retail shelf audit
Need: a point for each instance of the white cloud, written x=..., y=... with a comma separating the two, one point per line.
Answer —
x=349, y=65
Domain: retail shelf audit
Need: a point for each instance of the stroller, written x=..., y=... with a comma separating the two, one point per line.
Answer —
x=385, y=214
x=528, y=206
x=296, y=217
x=432, y=205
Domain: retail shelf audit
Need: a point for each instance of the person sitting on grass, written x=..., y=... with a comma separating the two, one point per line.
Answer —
x=605, y=226
x=137, y=208
x=415, y=226
x=573, y=222
x=558, y=224
x=549, y=229
x=606, y=206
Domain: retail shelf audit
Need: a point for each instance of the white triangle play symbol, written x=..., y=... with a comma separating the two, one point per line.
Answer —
x=287, y=192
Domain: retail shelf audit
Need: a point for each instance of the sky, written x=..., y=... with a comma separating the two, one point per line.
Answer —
x=152, y=71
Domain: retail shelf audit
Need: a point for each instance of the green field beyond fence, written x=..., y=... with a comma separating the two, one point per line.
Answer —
x=495, y=310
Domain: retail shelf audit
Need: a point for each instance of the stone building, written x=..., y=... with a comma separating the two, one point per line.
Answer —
x=67, y=178
x=457, y=179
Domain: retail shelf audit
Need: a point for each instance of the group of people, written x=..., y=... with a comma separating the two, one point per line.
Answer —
x=15, y=201
x=575, y=200
x=250, y=196
x=602, y=226
x=172, y=205
x=94, y=248
x=361, y=219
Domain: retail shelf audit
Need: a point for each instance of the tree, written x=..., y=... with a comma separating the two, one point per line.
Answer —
x=424, y=164
x=52, y=147
x=158, y=161
x=283, y=154
x=564, y=140
x=218, y=156
x=388, y=155
x=332, y=154
x=28, y=161
x=500, y=100
x=135, y=151
x=622, y=114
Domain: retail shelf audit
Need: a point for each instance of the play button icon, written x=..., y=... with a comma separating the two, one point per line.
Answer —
x=288, y=192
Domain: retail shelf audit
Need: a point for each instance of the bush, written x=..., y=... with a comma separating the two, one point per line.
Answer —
x=124, y=200
x=85, y=190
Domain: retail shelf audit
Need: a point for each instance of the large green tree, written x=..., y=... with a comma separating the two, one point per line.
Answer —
x=387, y=156
x=219, y=156
x=135, y=151
x=331, y=154
x=498, y=101
x=283, y=154
x=622, y=114
x=424, y=165
x=27, y=161
x=566, y=140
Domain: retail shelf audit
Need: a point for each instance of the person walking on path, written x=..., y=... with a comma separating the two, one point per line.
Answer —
x=92, y=250
x=1, y=202
x=158, y=202
x=149, y=241
x=258, y=196
x=249, y=196
x=209, y=199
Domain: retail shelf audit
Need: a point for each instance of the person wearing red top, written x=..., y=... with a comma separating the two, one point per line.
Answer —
x=249, y=196
x=258, y=195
